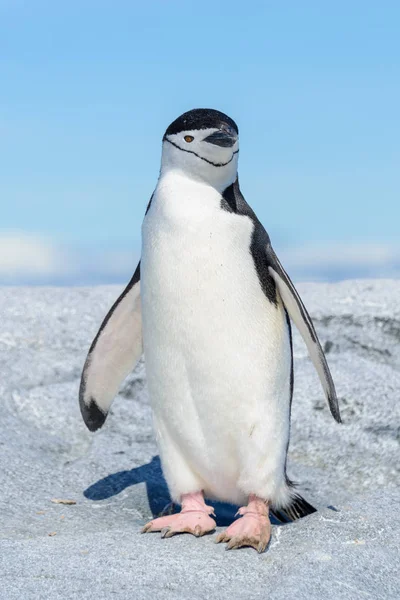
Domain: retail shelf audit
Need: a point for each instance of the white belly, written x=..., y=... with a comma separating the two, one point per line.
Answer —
x=217, y=350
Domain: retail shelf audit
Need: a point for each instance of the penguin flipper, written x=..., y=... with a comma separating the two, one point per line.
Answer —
x=302, y=320
x=113, y=354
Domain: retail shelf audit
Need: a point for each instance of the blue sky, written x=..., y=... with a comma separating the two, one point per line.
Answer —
x=88, y=88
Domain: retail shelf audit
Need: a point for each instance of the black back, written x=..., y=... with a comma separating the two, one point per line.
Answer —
x=233, y=201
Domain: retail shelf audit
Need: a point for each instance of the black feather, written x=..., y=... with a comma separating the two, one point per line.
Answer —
x=297, y=509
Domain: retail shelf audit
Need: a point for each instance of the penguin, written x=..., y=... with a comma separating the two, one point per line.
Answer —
x=210, y=306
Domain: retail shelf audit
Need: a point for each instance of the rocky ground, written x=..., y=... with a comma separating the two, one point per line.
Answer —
x=93, y=549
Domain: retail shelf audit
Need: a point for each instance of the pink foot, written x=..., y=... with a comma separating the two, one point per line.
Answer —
x=194, y=518
x=252, y=529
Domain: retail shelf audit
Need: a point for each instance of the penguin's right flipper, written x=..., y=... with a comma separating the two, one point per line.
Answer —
x=113, y=354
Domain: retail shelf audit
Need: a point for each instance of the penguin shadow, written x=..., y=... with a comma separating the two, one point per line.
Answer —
x=157, y=492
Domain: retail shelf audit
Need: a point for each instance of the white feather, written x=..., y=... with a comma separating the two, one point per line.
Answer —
x=217, y=350
x=116, y=352
x=303, y=324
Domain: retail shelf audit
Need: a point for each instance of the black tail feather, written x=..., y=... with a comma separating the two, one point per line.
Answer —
x=298, y=508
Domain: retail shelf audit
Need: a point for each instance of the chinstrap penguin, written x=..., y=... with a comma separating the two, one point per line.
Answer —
x=210, y=306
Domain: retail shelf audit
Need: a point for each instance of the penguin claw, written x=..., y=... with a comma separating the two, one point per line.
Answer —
x=233, y=543
x=194, y=518
x=197, y=523
x=221, y=538
x=238, y=542
x=166, y=532
x=252, y=529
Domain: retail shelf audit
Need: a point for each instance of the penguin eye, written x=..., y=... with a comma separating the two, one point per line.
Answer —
x=188, y=138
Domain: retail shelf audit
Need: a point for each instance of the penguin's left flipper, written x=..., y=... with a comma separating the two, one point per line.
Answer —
x=302, y=320
x=113, y=354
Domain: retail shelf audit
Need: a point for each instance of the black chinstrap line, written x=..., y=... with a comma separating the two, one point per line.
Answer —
x=201, y=157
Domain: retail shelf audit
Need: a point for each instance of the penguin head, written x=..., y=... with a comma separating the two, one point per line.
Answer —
x=203, y=144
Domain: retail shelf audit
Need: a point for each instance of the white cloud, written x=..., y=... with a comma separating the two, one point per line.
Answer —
x=27, y=255
x=33, y=259
x=342, y=260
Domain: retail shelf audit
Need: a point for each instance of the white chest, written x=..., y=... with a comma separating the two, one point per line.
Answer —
x=192, y=250
x=216, y=349
x=201, y=298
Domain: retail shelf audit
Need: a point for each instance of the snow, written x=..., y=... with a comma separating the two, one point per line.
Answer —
x=114, y=476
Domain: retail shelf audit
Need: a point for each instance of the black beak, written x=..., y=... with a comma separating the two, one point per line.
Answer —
x=225, y=137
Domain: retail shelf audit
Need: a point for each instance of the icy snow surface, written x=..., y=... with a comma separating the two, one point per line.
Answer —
x=93, y=550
